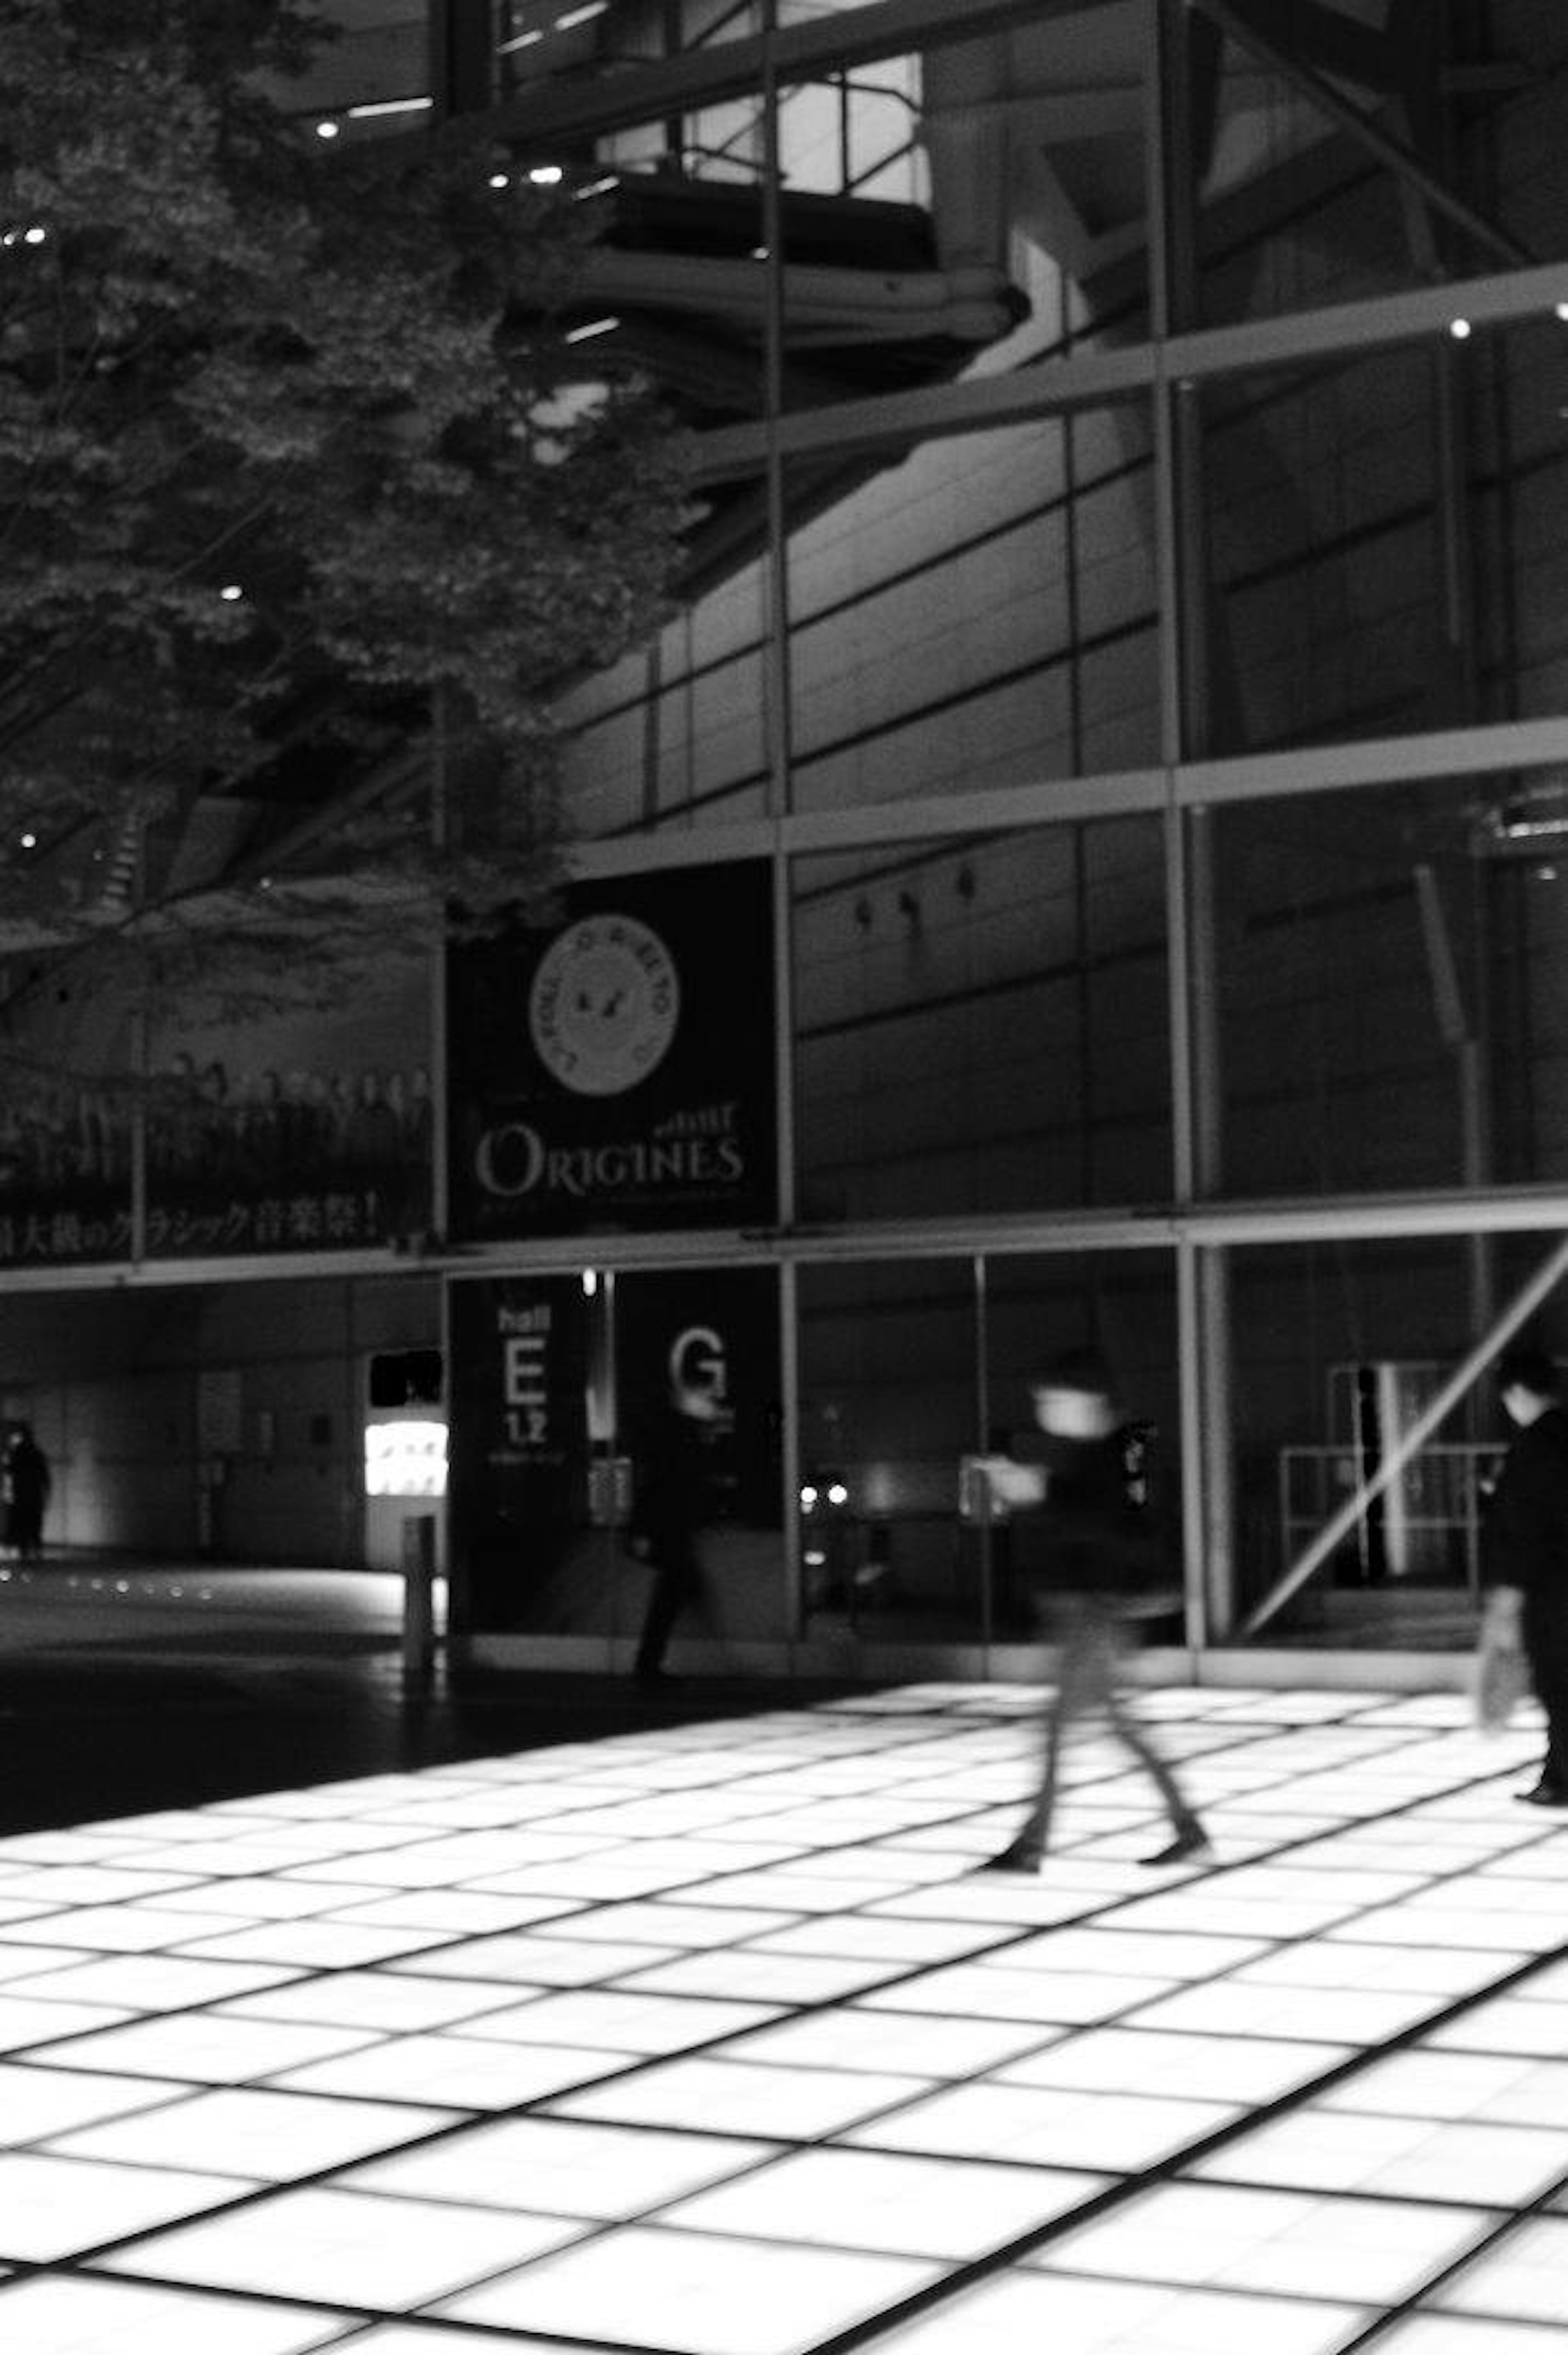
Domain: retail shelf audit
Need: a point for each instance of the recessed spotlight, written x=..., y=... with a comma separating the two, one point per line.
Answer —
x=231, y=592
x=328, y=129
x=1458, y=329
x=547, y=175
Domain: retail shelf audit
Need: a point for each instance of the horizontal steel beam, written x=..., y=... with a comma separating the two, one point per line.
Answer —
x=1095, y=380
x=724, y=71
x=1503, y=749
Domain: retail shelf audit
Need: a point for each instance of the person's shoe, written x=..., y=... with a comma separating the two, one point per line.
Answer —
x=1190, y=1846
x=1545, y=1795
x=1013, y=1859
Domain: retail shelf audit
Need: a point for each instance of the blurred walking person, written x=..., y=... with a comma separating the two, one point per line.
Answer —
x=1089, y=1552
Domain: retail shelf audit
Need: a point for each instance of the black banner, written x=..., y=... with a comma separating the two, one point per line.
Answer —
x=616, y=1072
x=518, y=1445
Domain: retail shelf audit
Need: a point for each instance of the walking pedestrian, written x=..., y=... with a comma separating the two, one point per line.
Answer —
x=675, y=1501
x=1524, y=1543
x=25, y=1473
x=1089, y=1554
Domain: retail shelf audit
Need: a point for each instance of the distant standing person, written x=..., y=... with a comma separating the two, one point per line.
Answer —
x=675, y=1502
x=25, y=1474
x=1524, y=1542
x=1086, y=1551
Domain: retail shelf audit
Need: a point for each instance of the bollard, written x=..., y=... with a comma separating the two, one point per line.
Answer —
x=419, y=1597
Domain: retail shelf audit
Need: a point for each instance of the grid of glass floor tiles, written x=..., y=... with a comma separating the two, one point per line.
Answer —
x=708, y=2039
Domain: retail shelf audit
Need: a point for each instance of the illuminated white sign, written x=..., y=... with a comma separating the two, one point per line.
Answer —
x=406, y=1459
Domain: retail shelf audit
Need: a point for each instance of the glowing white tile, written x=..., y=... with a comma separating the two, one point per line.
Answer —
x=916, y=2045
x=27, y=2022
x=1148, y=2061
x=733, y=2097
x=1154, y=1954
x=385, y=2001
x=26, y=1960
x=1372, y=2250
x=1046, y=2127
x=695, y=2292
x=671, y=1924
x=1411, y=2158
x=1086, y=2318
x=1507, y=2023
x=459, y=2072
x=308, y=1945
x=346, y=2247
x=52, y=2208
x=205, y=2047
x=608, y=2019
x=900, y=2206
x=1446, y=2334
x=1316, y=2014
x=273, y=2135
x=874, y=1938
x=153, y=1982
x=1502, y=2089
x=992, y=1990
x=84, y=2317
x=1415, y=1970
x=557, y=2167
x=1524, y=2279
x=749, y=1977
x=39, y=2101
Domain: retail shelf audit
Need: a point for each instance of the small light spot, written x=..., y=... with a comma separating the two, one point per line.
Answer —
x=547, y=175
x=328, y=129
x=1458, y=329
x=230, y=592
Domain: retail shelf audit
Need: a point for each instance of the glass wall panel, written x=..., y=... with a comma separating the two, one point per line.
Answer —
x=1390, y=986
x=1123, y=1304
x=983, y=1025
x=888, y=1409
x=1335, y=1349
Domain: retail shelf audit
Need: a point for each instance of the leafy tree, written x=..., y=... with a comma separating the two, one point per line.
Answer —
x=305, y=508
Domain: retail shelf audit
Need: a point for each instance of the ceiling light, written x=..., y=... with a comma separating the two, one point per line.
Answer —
x=1458, y=329
x=230, y=591
x=390, y=106
x=594, y=328
x=501, y=179
x=547, y=175
x=580, y=16
x=328, y=129
x=518, y=41
x=36, y=235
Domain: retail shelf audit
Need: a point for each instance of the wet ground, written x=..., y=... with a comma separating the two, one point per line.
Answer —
x=125, y=1687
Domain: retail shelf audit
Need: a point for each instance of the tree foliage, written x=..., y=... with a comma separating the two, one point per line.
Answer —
x=300, y=484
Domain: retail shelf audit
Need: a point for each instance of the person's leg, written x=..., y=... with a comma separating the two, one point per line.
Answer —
x=1026, y=1850
x=675, y=1578
x=1188, y=1835
x=1549, y=1679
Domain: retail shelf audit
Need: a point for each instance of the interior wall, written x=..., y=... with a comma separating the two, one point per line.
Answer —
x=226, y=1422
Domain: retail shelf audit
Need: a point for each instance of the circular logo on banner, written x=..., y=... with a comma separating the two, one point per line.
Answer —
x=604, y=1004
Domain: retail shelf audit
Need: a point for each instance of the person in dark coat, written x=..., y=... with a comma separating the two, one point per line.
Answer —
x=1524, y=1541
x=1086, y=1547
x=25, y=1474
x=675, y=1502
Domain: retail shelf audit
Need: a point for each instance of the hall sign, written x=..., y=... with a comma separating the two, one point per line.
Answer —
x=616, y=1070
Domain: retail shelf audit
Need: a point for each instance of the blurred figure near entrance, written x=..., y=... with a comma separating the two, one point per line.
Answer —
x=24, y=1479
x=1524, y=1557
x=1085, y=1548
x=676, y=1500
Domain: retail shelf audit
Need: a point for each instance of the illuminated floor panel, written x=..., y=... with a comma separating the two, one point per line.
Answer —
x=708, y=2039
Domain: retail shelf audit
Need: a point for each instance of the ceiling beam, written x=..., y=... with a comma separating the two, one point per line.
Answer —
x=1093, y=380
x=726, y=71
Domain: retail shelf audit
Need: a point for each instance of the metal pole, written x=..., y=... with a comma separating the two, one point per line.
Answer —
x=1522, y=1307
